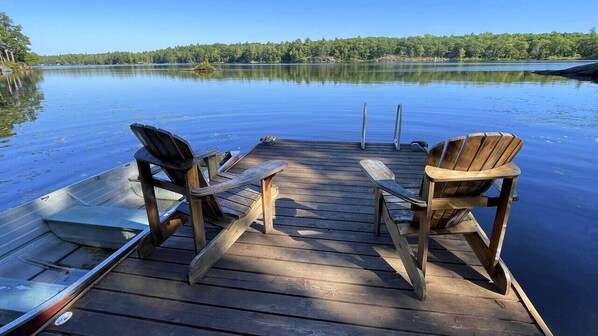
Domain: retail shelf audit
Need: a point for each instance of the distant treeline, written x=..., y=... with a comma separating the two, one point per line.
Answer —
x=486, y=46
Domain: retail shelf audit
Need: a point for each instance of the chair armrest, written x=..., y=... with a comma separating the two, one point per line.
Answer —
x=207, y=153
x=383, y=178
x=435, y=174
x=251, y=175
x=145, y=156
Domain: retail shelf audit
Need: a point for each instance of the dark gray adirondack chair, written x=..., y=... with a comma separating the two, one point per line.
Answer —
x=457, y=174
x=223, y=201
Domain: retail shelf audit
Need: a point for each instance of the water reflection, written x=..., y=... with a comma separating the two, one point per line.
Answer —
x=20, y=100
x=84, y=131
x=419, y=73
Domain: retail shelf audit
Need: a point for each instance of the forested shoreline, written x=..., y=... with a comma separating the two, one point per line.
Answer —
x=486, y=46
x=14, y=45
x=14, y=48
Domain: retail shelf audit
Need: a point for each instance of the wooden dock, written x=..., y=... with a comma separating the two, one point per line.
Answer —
x=322, y=271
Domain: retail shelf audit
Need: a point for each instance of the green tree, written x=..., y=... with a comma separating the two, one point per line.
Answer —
x=297, y=51
x=14, y=45
x=588, y=46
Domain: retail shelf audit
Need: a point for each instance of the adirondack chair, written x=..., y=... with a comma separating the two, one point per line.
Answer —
x=224, y=200
x=457, y=174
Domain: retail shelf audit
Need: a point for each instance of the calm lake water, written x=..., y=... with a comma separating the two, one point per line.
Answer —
x=60, y=125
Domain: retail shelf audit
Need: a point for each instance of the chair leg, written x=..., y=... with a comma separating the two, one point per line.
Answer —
x=424, y=237
x=146, y=247
x=498, y=272
x=168, y=226
x=488, y=250
x=500, y=220
x=195, y=206
x=155, y=237
x=197, y=223
x=378, y=202
x=267, y=204
x=411, y=264
x=424, y=225
x=212, y=166
x=207, y=257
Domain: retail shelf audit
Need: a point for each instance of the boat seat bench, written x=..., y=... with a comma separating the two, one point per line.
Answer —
x=98, y=226
x=20, y=296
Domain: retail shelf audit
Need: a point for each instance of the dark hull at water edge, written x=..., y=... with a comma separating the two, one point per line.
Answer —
x=587, y=72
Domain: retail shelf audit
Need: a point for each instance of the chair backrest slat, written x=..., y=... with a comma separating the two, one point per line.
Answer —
x=451, y=153
x=435, y=155
x=509, y=152
x=165, y=146
x=493, y=160
x=169, y=147
x=469, y=151
x=476, y=152
x=156, y=147
x=487, y=147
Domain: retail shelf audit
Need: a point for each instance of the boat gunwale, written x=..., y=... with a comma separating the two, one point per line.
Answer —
x=70, y=294
x=79, y=287
x=21, y=324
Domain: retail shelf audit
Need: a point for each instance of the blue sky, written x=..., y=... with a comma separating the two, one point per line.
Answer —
x=57, y=27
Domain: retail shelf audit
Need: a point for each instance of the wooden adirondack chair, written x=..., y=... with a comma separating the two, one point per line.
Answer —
x=457, y=174
x=223, y=201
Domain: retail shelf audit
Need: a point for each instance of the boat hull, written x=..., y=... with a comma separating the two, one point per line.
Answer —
x=44, y=246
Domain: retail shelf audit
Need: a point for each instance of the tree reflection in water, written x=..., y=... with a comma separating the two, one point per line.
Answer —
x=479, y=74
x=20, y=100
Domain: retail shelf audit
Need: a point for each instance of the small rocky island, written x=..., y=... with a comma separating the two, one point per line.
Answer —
x=204, y=67
x=588, y=72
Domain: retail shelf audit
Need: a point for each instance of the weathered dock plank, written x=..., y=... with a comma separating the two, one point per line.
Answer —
x=320, y=271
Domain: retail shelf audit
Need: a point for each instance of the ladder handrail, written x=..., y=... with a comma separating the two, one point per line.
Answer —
x=398, y=127
x=365, y=113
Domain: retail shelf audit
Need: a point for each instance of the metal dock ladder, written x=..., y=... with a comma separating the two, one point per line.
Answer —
x=397, y=131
